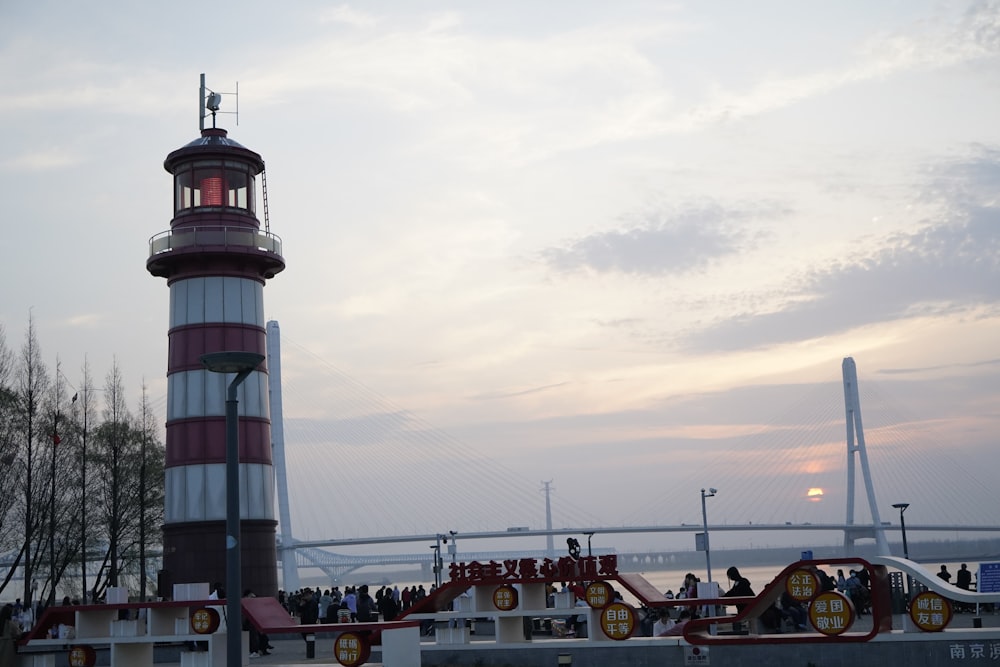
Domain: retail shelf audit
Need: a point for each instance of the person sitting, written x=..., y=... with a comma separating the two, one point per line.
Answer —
x=793, y=610
x=678, y=628
x=663, y=623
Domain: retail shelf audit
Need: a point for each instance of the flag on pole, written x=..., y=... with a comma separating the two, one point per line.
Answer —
x=56, y=439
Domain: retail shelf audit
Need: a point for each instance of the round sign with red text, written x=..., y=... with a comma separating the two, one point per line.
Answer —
x=930, y=611
x=831, y=613
x=598, y=594
x=802, y=584
x=351, y=649
x=505, y=597
x=82, y=656
x=618, y=620
x=204, y=621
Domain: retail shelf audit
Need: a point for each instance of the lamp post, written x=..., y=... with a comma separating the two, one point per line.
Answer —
x=704, y=520
x=453, y=547
x=437, y=559
x=241, y=363
x=902, y=525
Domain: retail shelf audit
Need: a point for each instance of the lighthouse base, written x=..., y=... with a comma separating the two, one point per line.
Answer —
x=196, y=551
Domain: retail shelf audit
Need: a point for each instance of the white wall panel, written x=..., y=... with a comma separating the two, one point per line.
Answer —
x=217, y=299
x=215, y=491
x=198, y=492
x=201, y=393
x=257, y=491
x=214, y=295
x=174, y=491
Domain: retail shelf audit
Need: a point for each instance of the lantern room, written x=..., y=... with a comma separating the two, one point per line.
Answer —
x=214, y=183
x=214, y=172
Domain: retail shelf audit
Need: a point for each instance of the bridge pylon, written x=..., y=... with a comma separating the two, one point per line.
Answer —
x=856, y=446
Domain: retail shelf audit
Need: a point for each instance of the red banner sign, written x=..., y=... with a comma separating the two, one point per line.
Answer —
x=527, y=570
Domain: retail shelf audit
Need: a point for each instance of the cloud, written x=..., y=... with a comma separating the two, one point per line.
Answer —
x=661, y=243
x=349, y=16
x=948, y=265
x=42, y=160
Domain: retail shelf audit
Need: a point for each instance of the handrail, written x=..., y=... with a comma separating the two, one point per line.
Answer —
x=933, y=582
x=216, y=235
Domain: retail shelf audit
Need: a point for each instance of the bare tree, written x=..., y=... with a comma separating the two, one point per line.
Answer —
x=9, y=531
x=151, y=465
x=83, y=413
x=31, y=381
x=113, y=448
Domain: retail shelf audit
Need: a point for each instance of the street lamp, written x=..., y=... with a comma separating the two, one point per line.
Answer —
x=437, y=559
x=902, y=525
x=241, y=363
x=704, y=520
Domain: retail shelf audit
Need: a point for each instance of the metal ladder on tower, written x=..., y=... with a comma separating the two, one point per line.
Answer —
x=263, y=182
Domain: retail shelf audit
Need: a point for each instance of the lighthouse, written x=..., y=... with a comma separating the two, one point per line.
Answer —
x=216, y=260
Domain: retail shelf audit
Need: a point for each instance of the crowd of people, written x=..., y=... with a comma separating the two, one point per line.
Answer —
x=355, y=604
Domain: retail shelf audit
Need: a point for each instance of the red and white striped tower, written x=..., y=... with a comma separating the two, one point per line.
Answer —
x=216, y=260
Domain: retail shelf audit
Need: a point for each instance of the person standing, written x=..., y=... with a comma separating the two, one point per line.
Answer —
x=351, y=600
x=963, y=578
x=740, y=588
x=10, y=632
x=944, y=574
x=367, y=611
x=308, y=608
x=388, y=607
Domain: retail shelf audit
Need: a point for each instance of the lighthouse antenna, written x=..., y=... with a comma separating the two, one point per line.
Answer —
x=201, y=103
x=209, y=100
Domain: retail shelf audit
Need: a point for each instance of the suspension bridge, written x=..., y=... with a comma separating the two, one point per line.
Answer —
x=361, y=472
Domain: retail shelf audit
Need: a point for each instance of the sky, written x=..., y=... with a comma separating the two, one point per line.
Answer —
x=610, y=245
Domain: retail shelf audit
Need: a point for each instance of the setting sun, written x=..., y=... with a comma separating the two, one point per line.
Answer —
x=815, y=494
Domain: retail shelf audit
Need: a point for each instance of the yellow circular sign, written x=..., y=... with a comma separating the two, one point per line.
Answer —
x=598, y=594
x=351, y=649
x=802, y=584
x=82, y=656
x=505, y=597
x=930, y=611
x=618, y=620
x=831, y=613
x=205, y=621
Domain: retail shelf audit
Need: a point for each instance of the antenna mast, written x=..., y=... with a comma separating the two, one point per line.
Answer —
x=209, y=101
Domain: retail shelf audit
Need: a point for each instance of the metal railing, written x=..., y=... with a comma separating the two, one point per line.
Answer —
x=216, y=236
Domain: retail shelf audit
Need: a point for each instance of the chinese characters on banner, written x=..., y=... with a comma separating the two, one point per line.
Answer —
x=533, y=569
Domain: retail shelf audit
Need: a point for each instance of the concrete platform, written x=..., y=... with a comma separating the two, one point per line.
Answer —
x=959, y=645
